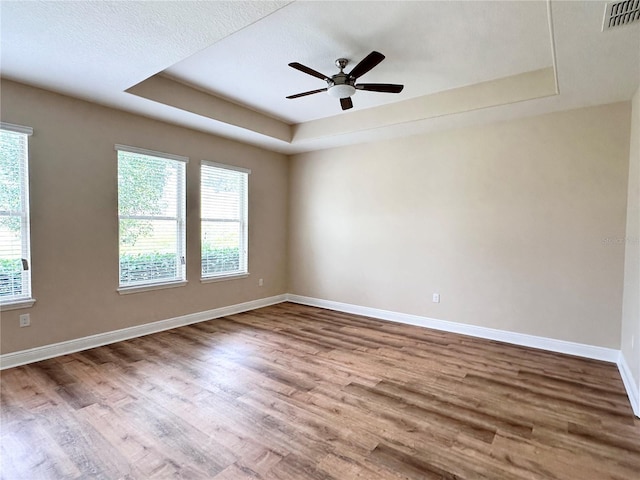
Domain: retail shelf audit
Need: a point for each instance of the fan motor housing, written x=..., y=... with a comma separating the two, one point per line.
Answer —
x=341, y=85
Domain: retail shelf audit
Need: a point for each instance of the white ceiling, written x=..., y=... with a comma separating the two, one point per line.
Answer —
x=238, y=52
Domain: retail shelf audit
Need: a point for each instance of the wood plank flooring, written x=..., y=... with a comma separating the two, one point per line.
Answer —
x=290, y=392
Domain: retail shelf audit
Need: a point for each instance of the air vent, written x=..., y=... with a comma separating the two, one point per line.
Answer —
x=618, y=14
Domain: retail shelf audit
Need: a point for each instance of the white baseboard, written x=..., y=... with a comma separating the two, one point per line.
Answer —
x=633, y=392
x=543, y=343
x=23, y=357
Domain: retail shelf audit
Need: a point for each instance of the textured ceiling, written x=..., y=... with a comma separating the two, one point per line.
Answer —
x=221, y=67
x=90, y=46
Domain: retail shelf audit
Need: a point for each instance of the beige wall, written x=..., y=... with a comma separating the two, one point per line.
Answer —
x=631, y=297
x=74, y=219
x=514, y=224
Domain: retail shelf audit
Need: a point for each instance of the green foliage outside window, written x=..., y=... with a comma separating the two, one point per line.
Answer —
x=144, y=267
x=10, y=276
x=141, y=187
x=11, y=155
x=12, y=152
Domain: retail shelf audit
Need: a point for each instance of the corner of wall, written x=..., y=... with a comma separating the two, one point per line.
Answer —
x=629, y=363
x=288, y=222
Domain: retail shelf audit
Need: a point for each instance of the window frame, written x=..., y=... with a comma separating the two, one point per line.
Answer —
x=25, y=300
x=180, y=219
x=243, y=220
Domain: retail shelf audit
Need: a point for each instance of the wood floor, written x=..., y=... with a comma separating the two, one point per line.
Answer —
x=290, y=392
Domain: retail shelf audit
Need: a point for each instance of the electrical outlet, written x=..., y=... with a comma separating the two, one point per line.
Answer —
x=436, y=298
x=260, y=282
x=25, y=320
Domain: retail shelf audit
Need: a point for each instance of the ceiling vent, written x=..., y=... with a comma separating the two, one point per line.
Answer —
x=618, y=14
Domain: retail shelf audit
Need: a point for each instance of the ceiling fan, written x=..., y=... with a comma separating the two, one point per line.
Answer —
x=343, y=85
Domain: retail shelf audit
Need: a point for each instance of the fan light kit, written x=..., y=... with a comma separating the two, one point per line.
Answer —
x=343, y=85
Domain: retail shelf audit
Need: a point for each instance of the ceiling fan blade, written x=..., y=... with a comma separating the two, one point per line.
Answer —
x=346, y=103
x=307, y=70
x=304, y=94
x=367, y=63
x=380, y=87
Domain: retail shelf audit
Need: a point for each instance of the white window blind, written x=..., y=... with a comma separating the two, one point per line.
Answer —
x=15, y=256
x=151, y=210
x=223, y=211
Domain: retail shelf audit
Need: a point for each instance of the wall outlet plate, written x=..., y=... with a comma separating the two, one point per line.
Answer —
x=25, y=320
x=436, y=298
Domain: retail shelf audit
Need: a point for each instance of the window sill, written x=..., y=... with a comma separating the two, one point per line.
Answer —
x=17, y=304
x=223, y=278
x=147, y=288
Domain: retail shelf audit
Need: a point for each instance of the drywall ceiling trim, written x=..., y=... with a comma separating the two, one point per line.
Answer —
x=503, y=91
x=164, y=90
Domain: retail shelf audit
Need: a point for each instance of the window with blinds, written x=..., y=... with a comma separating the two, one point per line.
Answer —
x=151, y=211
x=15, y=257
x=223, y=211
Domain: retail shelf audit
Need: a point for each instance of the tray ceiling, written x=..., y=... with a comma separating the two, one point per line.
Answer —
x=221, y=67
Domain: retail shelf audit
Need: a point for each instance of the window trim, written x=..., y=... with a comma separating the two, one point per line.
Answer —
x=226, y=167
x=224, y=276
x=12, y=127
x=150, y=286
x=25, y=301
x=17, y=304
x=181, y=242
x=152, y=153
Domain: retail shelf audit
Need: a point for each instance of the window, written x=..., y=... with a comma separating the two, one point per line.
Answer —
x=223, y=228
x=15, y=255
x=151, y=212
